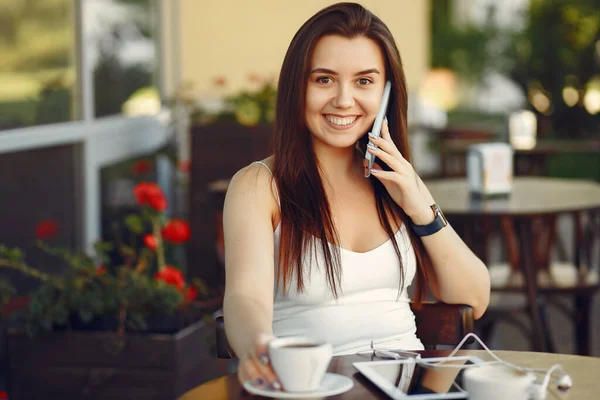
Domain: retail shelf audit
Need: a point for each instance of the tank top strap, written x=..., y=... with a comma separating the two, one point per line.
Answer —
x=273, y=180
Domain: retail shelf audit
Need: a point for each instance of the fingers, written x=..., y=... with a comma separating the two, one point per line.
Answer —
x=257, y=368
x=393, y=162
x=385, y=176
x=263, y=366
x=259, y=372
x=388, y=147
x=247, y=372
x=386, y=144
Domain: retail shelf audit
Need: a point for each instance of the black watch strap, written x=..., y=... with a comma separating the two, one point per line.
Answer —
x=438, y=223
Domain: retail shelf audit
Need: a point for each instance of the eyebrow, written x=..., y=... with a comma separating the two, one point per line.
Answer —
x=331, y=72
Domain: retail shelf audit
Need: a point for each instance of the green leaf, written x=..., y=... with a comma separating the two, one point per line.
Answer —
x=7, y=290
x=16, y=255
x=103, y=247
x=79, y=282
x=127, y=250
x=200, y=286
x=134, y=223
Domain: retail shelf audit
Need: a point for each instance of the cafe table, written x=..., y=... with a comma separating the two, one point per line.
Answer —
x=583, y=371
x=531, y=199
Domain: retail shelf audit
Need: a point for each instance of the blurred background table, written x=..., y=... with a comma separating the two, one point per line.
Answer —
x=527, y=218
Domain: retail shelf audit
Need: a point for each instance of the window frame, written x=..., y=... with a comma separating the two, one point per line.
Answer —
x=105, y=140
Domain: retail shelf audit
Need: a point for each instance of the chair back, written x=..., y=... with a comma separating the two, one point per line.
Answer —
x=437, y=324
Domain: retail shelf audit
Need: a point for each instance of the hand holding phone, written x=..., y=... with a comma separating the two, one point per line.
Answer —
x=376, y=130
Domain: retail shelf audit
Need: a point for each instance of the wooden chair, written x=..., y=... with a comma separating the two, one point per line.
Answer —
x=578, y=278
x=438, y=324
x=454, y=144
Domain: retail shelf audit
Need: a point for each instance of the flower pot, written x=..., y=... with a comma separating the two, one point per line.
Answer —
x=100, y=365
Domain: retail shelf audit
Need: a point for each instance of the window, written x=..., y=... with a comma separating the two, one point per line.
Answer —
x=41, y=73
x=37, y=71
x=120, y=40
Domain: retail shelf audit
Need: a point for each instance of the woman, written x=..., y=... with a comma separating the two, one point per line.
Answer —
x=312, y=246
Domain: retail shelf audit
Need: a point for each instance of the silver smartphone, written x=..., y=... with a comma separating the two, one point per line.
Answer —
x=376, y=130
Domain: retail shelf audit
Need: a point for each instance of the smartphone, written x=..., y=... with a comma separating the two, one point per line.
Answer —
x=376, y=130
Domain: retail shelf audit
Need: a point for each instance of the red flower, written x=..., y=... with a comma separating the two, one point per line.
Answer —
x=141, y=167
x=46, y=229
x=3, y=395
x=150, y=194
x=190, y=294
x=150, y=242
x=100, y=270
x=171, y=276
x=176, y=231
x=143, y=191
x=159, y=203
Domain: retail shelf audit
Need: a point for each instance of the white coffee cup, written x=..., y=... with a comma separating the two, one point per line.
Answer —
x=300, y=362
x=497, y=382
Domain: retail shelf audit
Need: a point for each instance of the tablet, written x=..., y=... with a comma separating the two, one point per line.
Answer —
x=410, y=379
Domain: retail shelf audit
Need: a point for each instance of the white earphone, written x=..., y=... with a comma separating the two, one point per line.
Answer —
x=537, y=390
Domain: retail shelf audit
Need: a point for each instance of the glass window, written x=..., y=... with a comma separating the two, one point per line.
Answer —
x=37, y=67
x=120, y=38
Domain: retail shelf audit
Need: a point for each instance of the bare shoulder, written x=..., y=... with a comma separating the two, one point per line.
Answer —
x=253, y=179
x=269, y=162
x=252, y=186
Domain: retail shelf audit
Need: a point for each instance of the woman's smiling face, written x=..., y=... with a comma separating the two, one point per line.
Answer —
x=344, y=89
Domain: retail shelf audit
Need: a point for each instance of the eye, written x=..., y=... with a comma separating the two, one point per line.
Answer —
x=364, y=81
x=324, y=80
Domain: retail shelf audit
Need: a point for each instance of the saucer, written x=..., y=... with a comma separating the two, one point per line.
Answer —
x=331, y=385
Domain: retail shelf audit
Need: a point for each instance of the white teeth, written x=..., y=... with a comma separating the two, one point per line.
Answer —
x=340, y=121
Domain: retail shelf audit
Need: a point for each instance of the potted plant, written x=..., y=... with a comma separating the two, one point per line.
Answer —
x=252, y=106
x=131, y=329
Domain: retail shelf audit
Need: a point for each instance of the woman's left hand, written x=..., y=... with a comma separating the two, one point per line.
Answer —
x=402, y=182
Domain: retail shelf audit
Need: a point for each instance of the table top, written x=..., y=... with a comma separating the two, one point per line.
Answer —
x=583, y=371
x=529, y=196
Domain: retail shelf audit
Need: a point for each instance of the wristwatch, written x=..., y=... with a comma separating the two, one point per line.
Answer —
x=438, y=223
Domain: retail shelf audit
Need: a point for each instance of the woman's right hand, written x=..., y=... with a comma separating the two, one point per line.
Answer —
x=256, y=366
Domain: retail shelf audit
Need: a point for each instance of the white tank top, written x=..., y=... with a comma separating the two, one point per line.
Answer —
x=368, y=307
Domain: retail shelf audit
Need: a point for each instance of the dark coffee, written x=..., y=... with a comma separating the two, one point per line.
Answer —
x=298, y=346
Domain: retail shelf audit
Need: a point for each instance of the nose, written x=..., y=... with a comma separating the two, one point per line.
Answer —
x=344, y=98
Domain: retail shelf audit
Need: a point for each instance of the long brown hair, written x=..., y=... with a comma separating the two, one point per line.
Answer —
x=305, y=211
